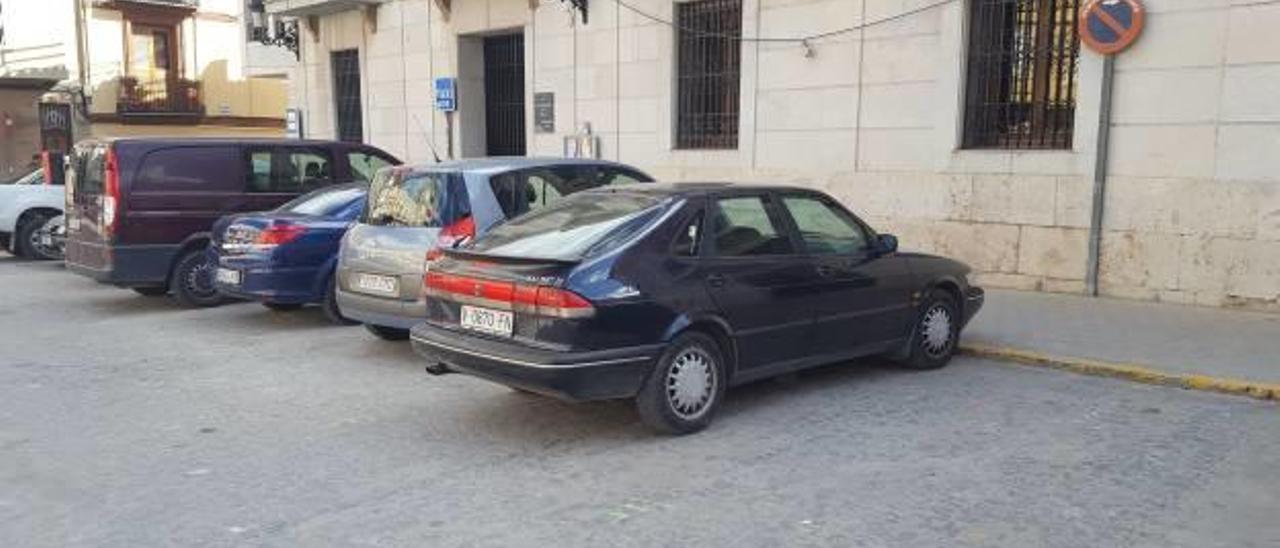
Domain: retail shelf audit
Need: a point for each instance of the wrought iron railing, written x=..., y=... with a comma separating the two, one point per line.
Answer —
x=159, y=97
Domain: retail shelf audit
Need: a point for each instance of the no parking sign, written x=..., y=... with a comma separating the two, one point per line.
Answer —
x=1111, y=26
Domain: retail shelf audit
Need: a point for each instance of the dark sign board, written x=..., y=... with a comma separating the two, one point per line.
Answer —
x=55, y=127
x=544, y=112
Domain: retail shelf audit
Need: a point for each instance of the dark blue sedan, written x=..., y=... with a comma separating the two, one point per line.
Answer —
x=285, y=258
x=669, y=294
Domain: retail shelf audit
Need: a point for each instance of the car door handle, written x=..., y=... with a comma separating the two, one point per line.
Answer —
x=716, y=280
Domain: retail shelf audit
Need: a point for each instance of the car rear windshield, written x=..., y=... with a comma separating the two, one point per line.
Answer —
x=325, y=202
x=87, y=170
x=400, y=197
x=579, y=226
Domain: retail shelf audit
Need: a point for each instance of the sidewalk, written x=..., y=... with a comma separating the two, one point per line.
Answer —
x=1214, y=349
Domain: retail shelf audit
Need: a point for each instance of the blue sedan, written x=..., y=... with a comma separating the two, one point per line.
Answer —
x=284, y=258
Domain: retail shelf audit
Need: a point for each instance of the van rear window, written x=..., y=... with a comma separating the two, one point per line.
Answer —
x=87, y=170
x=189, y=168
x=400, y=197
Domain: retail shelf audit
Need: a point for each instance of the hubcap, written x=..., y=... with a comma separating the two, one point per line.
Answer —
x=936, y=331
x=691, y=383
x=200, y=280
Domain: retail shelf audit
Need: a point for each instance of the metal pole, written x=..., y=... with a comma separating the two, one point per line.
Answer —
x=1100, y=174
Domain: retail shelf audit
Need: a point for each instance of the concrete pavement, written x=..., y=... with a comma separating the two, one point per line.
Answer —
x=125, y=421
x=1138, y=340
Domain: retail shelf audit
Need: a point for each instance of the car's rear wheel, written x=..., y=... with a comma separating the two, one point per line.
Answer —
x=28, y=242
x=388, y=333
x=330, y=304
x=936, y=333
x=151, y=290
x=685, y=389
x=282, y=307
x=192, y=281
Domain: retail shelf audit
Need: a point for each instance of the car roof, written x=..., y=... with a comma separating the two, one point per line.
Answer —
x=198, y=141
x=693, y=188
x=500, y=164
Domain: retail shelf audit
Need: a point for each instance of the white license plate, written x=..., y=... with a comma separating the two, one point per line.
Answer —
x=376, y=285
x=497, y=322
x=227, y=276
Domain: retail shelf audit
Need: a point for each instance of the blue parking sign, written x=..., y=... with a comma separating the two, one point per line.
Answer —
x=446, y=94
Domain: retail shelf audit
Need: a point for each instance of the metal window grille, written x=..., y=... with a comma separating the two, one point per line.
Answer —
x=1021, y=88
x=709, y=58
x=504, y=95
x=346, y=95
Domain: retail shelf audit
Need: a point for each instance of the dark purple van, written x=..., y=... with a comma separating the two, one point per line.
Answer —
x=139, y=211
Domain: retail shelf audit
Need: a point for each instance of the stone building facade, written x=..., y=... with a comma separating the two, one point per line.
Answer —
x=878, y=114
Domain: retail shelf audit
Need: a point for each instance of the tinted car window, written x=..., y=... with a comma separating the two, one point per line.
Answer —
x=88, y=170
x=326, y=202
x=580, y=225
x=618, y=176
x=365, y=166
x=259, y=171
x=401, y=197
x=526, y=190
x=823, y=228
x=185, y=168
x=288, y=170
x=743, y=227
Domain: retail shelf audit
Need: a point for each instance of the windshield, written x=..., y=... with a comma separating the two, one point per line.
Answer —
x=400, y=197
x=34, y=178
x=325, y=202
x=578, y=226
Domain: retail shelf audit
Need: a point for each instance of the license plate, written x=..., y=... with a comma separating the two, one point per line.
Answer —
x=497, y=322
x=376, y=285
x=227, y=276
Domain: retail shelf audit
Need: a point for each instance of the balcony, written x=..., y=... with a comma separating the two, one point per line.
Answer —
x=160, y=98
x=188, y=4
x=304, y=8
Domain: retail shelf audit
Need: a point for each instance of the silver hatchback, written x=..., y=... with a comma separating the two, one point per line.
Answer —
x=414, y=212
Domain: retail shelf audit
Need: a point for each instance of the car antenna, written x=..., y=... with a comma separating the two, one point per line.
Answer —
x=430, y=138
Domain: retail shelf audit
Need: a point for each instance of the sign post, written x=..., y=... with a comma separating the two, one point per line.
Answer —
x=1107, y=27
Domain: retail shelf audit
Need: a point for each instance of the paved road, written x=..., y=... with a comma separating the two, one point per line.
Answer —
x=127, y=422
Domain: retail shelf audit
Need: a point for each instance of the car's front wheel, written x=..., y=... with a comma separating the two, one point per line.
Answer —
x=388, y=333
x=685, y=389
x=30, y=243
x=192, y=282
x=936, y=333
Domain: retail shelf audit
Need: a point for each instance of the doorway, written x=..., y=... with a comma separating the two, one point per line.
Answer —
x=504, y=95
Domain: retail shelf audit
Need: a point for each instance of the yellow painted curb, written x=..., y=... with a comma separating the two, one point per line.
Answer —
x=1137, y=373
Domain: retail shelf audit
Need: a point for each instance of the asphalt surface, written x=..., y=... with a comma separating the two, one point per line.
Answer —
x=125, y=421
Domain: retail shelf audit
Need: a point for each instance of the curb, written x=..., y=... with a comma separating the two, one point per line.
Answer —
x=1131, y=372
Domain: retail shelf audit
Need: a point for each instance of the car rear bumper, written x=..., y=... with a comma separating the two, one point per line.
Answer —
x=974, y=298
x=263, y=280
x=572, y=376
x=383, y=311
x=125, y=266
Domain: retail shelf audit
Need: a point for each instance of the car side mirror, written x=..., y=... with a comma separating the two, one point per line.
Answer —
x=888, y=244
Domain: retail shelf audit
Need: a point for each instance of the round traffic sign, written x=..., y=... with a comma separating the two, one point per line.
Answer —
x=1110, y=26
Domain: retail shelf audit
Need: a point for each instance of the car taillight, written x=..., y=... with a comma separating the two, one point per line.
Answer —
x=110, y=191
x=540, y=300
x=452, y=236
x=279, y=233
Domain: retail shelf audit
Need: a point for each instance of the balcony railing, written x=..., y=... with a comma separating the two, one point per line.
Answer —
x=159, y=97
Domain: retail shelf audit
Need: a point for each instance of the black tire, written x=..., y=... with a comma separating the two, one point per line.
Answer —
x=330, y=304
x=25, y=235
x=192, y=281
x=151, y=291
x=282, y=307
x=928, y=350
x=658, y=400
x=388, y=333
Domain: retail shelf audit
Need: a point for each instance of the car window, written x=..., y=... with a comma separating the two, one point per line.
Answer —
x=578, y=226
x=259, y=171
x=823, y=227
x=520, y=192
x=742, y=227
x=306, y=170
x=400, y=197
x=364, y=166
x=34, y=178
x=185, y=168
x=618, y=176
x=686, y=242
x=326, y=202
x=87, y=170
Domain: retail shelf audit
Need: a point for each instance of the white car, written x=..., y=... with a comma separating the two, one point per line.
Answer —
x=25, y=207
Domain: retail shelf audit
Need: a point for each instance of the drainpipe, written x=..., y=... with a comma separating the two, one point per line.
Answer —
x=1100, y=174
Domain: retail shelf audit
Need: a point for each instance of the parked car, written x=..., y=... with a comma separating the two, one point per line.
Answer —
x=139, y=211
x=285, y=258
x=26, y=206
x=413, y=214
x=670, y=293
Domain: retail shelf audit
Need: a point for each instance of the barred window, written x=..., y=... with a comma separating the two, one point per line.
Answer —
x=1021, y=84
x=709, y=57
